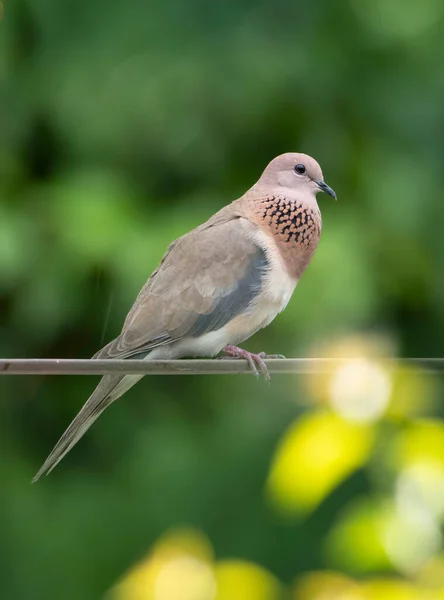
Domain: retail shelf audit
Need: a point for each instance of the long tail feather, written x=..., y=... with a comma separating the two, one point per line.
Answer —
x=109, y=389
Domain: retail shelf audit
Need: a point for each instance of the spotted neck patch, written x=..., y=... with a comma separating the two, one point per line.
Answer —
x=291, y=221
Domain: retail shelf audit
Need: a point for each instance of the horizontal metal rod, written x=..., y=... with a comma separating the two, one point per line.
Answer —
x=53, y=366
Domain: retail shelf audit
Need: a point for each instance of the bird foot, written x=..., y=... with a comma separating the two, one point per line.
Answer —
x=252, y=359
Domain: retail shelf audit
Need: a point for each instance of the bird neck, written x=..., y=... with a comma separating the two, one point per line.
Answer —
x=294, y=225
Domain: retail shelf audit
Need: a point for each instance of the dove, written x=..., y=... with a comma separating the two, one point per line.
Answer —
x=218, y=284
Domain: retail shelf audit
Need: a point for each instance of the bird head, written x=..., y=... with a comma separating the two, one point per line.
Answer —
x=298, y=172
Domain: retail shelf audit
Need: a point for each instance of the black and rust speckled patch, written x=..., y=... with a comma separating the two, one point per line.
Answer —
x=291, y=221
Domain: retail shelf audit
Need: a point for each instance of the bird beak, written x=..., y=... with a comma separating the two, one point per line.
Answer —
x=326, y=188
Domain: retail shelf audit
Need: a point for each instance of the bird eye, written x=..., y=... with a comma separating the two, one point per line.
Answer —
x=300, y=169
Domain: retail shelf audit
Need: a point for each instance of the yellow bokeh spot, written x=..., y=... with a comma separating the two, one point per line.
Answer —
x=389, y=589
x=365, y=383
x=422, y=441
x=432, y=574
x=358, y=384
x=360, y=390
x=355, y=542
x=314, y=456
x=185, y=578
x=413, y=393
x=241, y=580
x=326, y=585
x=184, y=541
x=410, y=540
x=330, y=585
x=420, y=490
x=179, y=567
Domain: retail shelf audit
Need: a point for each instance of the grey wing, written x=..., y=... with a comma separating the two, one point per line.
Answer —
x=206, y=278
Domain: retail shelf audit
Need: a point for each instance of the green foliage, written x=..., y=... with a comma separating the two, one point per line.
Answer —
x=124, y=125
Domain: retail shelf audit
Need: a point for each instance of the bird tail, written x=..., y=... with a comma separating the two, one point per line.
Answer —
x=109, y=389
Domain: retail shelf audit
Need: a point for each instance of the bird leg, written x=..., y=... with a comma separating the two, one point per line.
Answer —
x=235, y=352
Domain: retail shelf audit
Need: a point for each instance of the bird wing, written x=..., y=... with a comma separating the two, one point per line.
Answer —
x=205, y=279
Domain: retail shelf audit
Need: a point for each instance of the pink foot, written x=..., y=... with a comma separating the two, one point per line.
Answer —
x=235, y=352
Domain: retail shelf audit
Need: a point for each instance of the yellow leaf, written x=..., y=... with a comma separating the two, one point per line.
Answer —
x=241, y=580
x=316, y=454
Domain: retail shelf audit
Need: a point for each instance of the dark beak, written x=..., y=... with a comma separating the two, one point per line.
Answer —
x=326, y=188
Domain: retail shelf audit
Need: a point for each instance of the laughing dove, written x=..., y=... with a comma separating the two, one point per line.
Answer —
x=218, y=284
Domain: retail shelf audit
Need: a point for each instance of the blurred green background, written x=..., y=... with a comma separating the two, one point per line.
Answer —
x=122, y=126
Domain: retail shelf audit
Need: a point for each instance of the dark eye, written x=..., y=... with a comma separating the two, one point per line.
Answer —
x=300, y=169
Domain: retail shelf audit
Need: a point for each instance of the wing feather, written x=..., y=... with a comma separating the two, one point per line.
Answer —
x=205, y=279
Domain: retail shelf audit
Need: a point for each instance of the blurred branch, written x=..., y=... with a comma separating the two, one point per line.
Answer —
x=37, y=366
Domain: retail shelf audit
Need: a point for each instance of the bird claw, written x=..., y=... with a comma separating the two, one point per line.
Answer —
x=252, y=359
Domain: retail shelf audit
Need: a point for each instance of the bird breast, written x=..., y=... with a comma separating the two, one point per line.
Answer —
x=277, y=288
